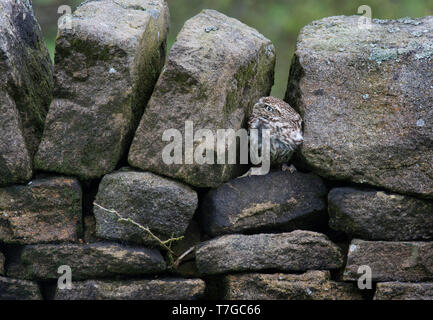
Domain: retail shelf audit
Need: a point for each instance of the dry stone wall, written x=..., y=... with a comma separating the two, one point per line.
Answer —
x=311, y=285
x=365, y=97
x=362, y=195
x=105, y=68
x=26, y=89
x=159, y=289
x=51, y=206
x=163, y=205
x=215, y=72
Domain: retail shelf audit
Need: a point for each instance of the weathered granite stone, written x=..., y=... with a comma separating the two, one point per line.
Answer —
x=391, y=261
x=106, y=67
x=404, y=291
x=2, y=264
x=26, y=85
x=294, y=251
x=312, y=285
x=365, y=98
x=276, y=201
x=43, y=211
x=13, y=289
x=87, y=261
x=15, y=163
x=216, y=71
x=164, y=206
x=378, y=215
x=158, y=289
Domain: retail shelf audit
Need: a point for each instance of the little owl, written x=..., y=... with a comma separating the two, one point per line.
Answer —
x=285, y=126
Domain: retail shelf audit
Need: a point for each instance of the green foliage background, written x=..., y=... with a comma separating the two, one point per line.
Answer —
x=278, y=20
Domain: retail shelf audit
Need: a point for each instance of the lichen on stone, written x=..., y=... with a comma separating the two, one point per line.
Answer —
x=383, y=54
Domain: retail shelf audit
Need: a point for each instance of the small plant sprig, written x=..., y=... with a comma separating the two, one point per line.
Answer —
x=166, y=244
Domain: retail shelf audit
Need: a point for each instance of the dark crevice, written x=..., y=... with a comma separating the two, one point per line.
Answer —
x=89, y=189
x=47, y=289
x=12, y=253
x=368, y=294
x=293, y=93
x=123, y=162
x=2, y=252
x=201, y=193
x=215, y=288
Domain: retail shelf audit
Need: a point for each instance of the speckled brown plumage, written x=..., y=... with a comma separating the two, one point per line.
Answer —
x=285, y=126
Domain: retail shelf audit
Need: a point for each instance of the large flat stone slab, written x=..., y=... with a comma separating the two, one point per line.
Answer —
x=365, y=98
x=26, y=85
x=14, y=289
x=96, y=260
x=312, y=285
x=158, y=289
x=378, y=215
x=390, y=260
x=106, y=67
x=216, y=71
x=43, y=211
x=163, y=205
x=404, y=291
x=276, y=201
x=294, y=251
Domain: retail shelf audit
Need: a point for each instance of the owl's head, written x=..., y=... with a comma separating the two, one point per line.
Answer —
x=275, y=114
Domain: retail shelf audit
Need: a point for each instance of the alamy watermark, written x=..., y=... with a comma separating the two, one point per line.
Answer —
x=364, y=21
x=365, y=280
x=65, y=21
x=65, y=280
x=204, y=147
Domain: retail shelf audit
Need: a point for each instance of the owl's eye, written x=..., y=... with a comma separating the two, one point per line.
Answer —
x=269, y=108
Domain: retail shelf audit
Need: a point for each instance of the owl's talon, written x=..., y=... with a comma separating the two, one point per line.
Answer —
x=254, y=171
x=290, y=168
x=246, y=174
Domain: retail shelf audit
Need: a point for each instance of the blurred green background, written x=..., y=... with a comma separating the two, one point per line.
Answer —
x=278, y=20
